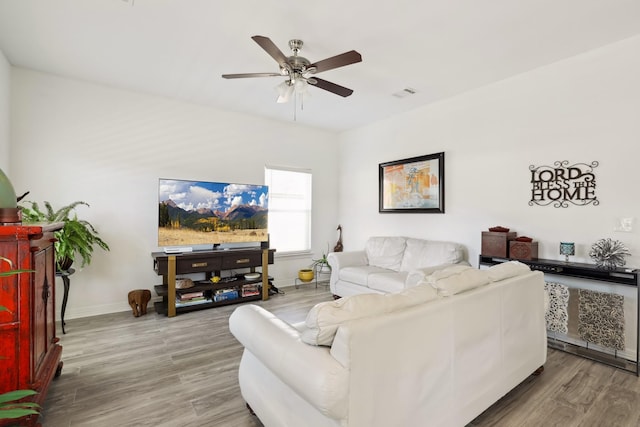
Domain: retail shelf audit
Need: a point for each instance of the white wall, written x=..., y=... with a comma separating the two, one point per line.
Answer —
x=5, y=131
x=78, y=141
x=582, y=109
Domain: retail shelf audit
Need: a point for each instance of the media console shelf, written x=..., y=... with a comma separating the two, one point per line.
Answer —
x=211, y=263
x=620, y=281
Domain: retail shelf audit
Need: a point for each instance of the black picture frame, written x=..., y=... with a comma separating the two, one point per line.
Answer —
x=413, y=185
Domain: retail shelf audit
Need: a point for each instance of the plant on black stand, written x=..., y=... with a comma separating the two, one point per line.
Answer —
x=322, y=264
x=77, y=238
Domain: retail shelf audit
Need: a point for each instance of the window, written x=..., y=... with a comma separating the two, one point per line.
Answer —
x=289, y=208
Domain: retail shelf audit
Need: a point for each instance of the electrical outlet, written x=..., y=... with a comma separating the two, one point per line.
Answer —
x=624, y=224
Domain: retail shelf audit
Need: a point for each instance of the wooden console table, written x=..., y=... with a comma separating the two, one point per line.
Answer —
x=211, y=263
x=580, y=275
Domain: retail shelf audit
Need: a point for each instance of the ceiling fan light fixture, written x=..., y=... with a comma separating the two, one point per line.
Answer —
x=285, y=90
x=300, y=86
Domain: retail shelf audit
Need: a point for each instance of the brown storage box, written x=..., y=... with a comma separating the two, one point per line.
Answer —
x=525, y=251
x=496, y=244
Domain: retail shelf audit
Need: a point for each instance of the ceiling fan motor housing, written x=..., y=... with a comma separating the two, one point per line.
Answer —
x=299, y=64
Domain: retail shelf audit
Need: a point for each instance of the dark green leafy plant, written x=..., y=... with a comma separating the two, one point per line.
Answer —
x=10, y=273
x=77, y=238
x=10, y=407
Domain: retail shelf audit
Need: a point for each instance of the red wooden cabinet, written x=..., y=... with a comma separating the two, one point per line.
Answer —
x=29, y=350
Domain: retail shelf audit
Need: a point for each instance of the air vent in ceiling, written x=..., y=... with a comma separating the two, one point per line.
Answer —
x=405, y=92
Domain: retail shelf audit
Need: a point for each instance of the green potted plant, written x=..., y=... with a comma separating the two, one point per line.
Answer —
x=10, y=405
x=322, y=264
x=77, y=238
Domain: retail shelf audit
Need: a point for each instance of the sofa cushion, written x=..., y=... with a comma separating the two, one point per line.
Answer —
x=324, y=319
x=450, y=271
x=456, y=279
x=360, y=275
x=385, y=252
x=388, y=282
x=415, y=277
x=506, y=270
x=421, y=253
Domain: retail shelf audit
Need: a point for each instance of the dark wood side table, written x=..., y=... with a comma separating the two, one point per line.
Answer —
x=67, y=283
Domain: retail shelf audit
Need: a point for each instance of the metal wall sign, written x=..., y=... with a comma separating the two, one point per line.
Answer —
x=563, y=183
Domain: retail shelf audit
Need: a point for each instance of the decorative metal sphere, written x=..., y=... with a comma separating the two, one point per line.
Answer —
x=609, y=253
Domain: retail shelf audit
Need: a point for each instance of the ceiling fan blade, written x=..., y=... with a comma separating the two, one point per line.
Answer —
x=272, y=49
x=246, y=75
x=331, y=87
x=341, y=60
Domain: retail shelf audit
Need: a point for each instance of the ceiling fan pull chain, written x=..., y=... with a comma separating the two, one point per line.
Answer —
x=295, y=105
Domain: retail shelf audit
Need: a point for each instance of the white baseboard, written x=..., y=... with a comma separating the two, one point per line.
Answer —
x=97, y=310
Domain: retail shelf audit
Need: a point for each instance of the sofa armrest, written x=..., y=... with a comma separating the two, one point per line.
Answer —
x=310, y=371
x=338, y=260
x=418, y=275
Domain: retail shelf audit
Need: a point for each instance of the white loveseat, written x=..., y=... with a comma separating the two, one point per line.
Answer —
x=390, y=264
x=437, y=354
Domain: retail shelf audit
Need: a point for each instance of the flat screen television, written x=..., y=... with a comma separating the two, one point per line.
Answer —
x=203, y=215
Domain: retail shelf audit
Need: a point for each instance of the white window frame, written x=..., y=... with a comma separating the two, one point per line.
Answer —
x=290, y=210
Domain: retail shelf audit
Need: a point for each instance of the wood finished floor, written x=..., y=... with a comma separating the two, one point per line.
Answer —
x=154, y=371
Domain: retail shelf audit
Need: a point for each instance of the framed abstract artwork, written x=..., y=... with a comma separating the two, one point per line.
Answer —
x=414, y=185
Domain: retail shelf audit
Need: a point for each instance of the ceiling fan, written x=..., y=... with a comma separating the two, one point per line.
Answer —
x=300, y=72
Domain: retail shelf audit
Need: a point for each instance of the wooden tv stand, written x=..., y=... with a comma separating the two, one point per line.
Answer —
x=211, y=263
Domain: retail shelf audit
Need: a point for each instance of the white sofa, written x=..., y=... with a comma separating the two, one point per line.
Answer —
x=437, y=354
x=390, y=264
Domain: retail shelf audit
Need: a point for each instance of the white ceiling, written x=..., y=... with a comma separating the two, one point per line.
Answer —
x=179, y=48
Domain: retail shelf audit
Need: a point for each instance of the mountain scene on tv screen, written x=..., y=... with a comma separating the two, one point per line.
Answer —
x=191, y=213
